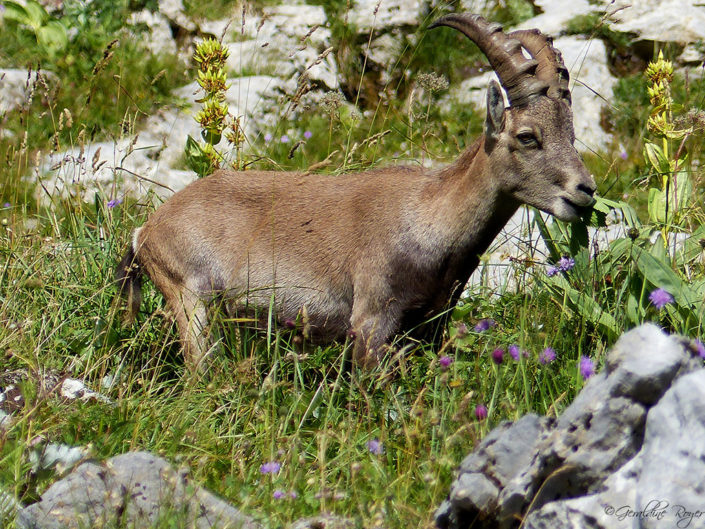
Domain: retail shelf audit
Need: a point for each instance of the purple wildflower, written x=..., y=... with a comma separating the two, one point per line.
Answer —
x=547, y=356
x=445, y=362
x=566, y=263
x=7, y=205
x=481, y=412
x=551, y=271
x=623, y=155
x=587, y=367
x=308, y=134
x=484, y=325
x=114, y=202
x=293, y=495
x=498, y=355
x=267, y=137
x=284, y=139
x=514, y=352
x=278, y=494
x=271, y=467
x=375, y=447
x=660, y=298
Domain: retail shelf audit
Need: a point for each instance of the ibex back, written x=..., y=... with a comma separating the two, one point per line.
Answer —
x=368, y=254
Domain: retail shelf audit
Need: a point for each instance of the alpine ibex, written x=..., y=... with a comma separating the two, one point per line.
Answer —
x=368, y=254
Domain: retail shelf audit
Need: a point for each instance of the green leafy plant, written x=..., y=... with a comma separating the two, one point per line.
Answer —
x=50, y=33
x=669, y=201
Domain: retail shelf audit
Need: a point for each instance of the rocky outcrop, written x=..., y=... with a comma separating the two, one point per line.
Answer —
x=291, y=40
x=555, y=15
x=373, y=15
x=680, y=21
x=617, y=449
x=14, y=84
x=676, y=21
x=135, y=489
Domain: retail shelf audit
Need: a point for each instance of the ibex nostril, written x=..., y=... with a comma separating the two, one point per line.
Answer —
x=588, y=190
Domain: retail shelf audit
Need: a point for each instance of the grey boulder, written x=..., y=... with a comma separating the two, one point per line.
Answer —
x=135, y=489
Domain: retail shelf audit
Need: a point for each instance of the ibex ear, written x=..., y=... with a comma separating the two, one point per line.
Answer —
x=494, y=122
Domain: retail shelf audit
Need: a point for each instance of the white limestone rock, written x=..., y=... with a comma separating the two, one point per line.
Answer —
x=136, y=489
x=17, y=84
x=556, y=14
x=378, y=15
x=175, y=12
x=631, y=442
x=286, y=40
x=159, y=39
x=591, y=89
x=681, y=21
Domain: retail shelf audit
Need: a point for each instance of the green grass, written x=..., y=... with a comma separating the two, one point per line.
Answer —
x=264, y=398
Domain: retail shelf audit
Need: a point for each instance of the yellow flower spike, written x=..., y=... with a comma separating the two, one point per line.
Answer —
x=213, y=81
x=211, y=55
x=213, y=115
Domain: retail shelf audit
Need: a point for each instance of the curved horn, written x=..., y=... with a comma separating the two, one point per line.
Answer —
x=515, y=72
x=551, y=68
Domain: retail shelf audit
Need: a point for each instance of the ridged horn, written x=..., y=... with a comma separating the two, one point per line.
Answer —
x=515, y=72
x=550, y=68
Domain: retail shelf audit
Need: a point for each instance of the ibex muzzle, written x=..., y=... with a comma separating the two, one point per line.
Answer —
x=373, y=253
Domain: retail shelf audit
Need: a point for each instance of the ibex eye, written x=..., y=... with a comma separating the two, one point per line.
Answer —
x=527, y=139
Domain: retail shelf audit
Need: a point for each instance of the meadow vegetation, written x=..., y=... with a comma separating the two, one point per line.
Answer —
x=284, y=432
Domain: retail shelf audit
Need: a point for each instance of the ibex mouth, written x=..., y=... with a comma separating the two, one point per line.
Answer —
x=578, y=210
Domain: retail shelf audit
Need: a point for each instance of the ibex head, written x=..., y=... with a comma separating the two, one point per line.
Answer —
x=529, y=143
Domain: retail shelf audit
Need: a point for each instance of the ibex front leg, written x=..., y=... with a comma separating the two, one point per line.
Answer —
x=374, y=319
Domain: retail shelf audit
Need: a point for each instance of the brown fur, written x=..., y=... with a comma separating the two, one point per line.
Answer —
x=366, y=254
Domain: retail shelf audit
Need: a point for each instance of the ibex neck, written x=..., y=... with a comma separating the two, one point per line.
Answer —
x=468, y=206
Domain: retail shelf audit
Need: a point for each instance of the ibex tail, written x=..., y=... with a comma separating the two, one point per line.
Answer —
x=129, y=278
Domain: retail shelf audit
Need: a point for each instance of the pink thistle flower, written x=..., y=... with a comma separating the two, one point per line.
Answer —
x=587, y=367
x=484, y=325
x=547, y=356
x=515, y=352
x=375, y=447
x=660, y=298
x=271, y=467
x=498, y=355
